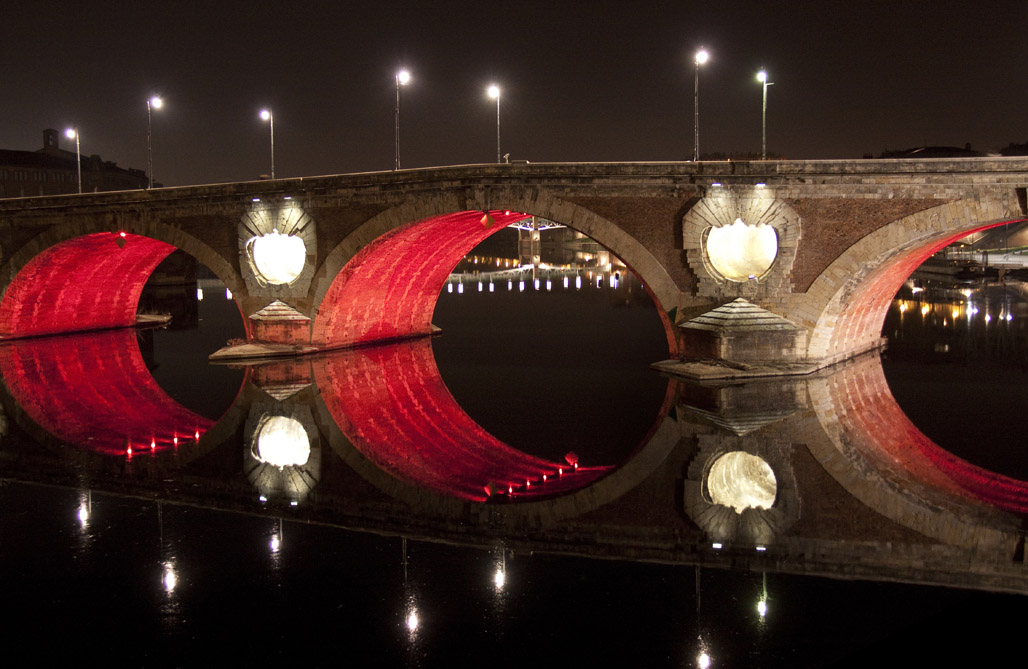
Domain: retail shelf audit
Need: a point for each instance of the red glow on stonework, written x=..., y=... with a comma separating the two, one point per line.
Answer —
x=393, y=406
x=94, y=391
x=87, y=283
x=878, y=421
x=388, y=290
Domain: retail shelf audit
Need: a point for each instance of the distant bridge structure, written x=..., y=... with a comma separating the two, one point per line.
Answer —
x=815, y=249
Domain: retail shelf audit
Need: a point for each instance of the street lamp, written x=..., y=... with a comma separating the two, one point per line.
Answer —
x=402, y=77
x=494, y=92
x=702, y=56
x=266, y=115
x=762, y=78
x=153, y=102
x=73, y=133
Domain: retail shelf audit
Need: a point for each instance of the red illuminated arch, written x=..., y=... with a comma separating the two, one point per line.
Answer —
x=861, y=284
x=388, y=290
x=86, y=283
x=395, y=265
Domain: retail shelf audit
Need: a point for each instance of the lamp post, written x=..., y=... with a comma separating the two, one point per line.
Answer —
x=266, y=115
x=153, y=102
x=73, y=133
x=494, y=92
x=762, y=78
x=402, y=77
x=702, y=56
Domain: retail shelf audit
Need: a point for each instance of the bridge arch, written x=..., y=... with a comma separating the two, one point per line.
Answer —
x=382, y=281
x=89, y=275
x=849, y=300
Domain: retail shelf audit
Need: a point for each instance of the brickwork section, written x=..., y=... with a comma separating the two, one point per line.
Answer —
x=655, y=223
x=90, y=282
x=97, y=393
x=832, y=225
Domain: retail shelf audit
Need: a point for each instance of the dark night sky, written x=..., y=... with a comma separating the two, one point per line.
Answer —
x=582, y=81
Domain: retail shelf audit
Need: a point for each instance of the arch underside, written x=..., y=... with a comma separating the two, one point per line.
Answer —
x=852, y=320
x=96, y=392
x=89, y=282
x=388, y=290
x=392, y=405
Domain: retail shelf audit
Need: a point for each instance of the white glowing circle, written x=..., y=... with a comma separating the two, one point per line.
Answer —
x=742, y=481
x=70, y=133
x=403, y=76
x=739, y=251
x=156, y=102
x=762, y=608
x=494, y=91
x=278, y=258
x=702, y=56
x=703, y=661
x=83, y=515
x=265, y=114
x=499, y=578
x=281, y=441
x=412, y=621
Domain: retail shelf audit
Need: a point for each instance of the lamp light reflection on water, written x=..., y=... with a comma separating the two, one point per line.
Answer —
x=169, y=579
x=282, y=441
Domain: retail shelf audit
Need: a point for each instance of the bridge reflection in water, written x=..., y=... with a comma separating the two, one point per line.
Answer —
x=820, y=475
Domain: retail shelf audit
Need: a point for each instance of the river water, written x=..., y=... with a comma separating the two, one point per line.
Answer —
x=195, y=553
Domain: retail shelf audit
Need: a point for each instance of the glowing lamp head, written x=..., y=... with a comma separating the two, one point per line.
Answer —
x=156, y=102
x=403, y=77
x=70, y=133
x=702, y=56
x=265, y=114
x=494, y=92
x=762, y=76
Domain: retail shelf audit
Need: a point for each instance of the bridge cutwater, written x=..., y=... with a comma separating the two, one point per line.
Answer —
x=772, y=267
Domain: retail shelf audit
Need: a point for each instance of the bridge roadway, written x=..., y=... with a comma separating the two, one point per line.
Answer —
x=377, y=247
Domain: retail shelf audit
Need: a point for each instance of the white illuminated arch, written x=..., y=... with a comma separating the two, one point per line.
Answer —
x=742, y=481
x=740, y=252
x=281, y=441
x=277, y=259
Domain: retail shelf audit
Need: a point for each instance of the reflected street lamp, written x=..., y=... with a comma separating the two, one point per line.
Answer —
x=73, y=133
x=266, y=115
x=762, y=78
x=494, y=92
x=402, y=77
x=702, y=56
x=153, y=102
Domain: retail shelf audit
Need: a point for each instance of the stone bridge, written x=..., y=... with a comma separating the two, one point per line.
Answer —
x=816, y=249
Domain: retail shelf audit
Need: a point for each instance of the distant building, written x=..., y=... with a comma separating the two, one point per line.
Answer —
x=933, y=152
x=53, y=171
x=1013, y=149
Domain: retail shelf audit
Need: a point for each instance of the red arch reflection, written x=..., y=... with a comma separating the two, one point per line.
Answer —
x=868, y=413
x=87, y=283
x=393, y=406
x=95, y=391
